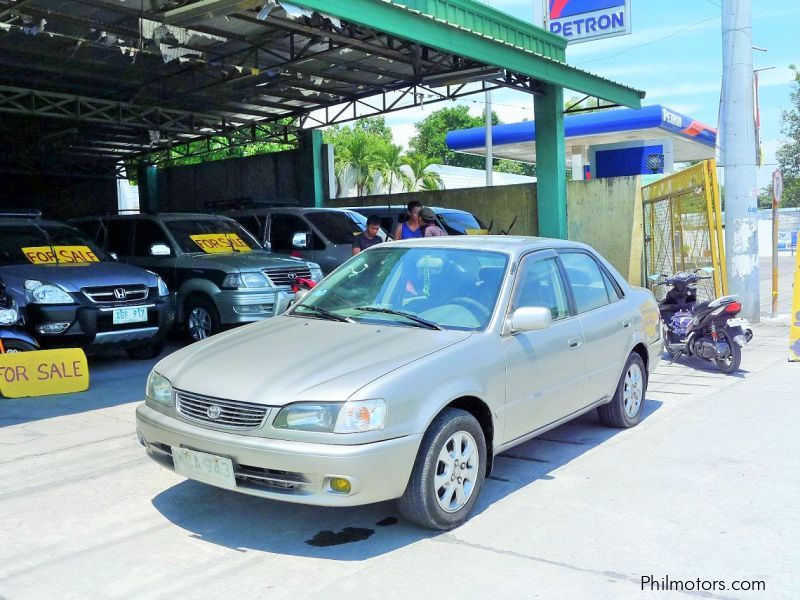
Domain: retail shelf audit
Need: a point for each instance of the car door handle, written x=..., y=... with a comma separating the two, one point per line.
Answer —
x=626, y=323
x=575, y=342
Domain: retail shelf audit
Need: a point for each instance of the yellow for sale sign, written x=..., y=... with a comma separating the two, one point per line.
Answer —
x=43, y=372
x=218, y=243
x=65, y=255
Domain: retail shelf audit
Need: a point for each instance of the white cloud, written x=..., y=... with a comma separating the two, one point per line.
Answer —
x=777, y=76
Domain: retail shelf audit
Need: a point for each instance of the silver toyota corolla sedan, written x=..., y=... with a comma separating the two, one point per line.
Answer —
x=404, y=373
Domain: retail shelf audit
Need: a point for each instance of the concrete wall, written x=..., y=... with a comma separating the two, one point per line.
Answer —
x=58, y=198
x=265, y=177
x=500, y=204
x=607, y=215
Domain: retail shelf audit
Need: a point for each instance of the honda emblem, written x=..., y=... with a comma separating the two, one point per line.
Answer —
x=120, y=293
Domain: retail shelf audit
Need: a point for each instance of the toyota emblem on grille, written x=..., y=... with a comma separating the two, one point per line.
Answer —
x=291, y=276
x=214, y=411
x=120, y=293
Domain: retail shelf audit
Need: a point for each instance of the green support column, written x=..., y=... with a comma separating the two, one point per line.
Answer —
x=551, y=168
x=147, y=176
x=310, y=168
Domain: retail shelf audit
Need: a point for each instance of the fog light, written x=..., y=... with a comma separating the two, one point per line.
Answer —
x=251, y=309
x=340, y=485
x=52, y=328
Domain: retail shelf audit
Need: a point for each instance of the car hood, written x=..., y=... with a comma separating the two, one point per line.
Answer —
x=76, y=276
x=288, y=359
x=246, y=261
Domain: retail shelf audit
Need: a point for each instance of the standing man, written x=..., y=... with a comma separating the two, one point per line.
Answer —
x=429, y=227
x=411, y=227
x=368, y=237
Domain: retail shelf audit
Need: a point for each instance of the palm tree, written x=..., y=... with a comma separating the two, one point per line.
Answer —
x=421, y=179
x=359, y=150
x=390, y=160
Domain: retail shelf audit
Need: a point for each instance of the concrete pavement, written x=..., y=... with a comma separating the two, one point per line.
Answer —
x=705, y=488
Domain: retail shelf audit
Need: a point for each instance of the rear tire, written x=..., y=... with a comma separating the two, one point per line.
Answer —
x=734, y=360
x=625, y=409
x=448, y=473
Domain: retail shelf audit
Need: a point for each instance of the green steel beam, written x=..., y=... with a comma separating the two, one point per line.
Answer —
x=435, y=31
x=551, y=169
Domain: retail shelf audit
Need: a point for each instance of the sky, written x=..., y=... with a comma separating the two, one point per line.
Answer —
x=674, y=53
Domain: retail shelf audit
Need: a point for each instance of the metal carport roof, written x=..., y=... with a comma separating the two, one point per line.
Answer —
x=85, y=83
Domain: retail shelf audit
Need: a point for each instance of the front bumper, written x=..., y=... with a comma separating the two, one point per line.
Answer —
x=288, y=470
x=238, y=306
x=91, y=325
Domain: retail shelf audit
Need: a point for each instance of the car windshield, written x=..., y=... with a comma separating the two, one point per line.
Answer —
x=431, y=287
x=46, y=244
x=457, y=223
x=213, y=236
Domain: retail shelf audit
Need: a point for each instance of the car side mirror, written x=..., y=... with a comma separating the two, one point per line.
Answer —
x=529, y=318
x=267, y=246
x=300, y=240
x=160, y=250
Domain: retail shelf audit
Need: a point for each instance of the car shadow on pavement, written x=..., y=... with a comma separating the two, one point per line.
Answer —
x=248, y=523
x=114, y=379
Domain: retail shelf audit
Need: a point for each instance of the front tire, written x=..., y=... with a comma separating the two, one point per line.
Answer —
x=448, y=473
x=201, y=318
x=625, y=409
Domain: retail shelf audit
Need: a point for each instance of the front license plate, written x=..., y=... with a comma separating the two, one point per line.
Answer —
x=208, y=468
x=133, y=314
x=735, y=322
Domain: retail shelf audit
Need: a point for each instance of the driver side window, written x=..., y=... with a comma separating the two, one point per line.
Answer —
x=539, y=283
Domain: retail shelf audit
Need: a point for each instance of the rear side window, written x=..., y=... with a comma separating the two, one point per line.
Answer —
x=281, y=229
x=148, y=233
x=91, y=229
x=338, y=227
x=587, y=280
x=119, y=237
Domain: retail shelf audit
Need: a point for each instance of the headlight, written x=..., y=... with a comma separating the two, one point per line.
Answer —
x=163, y=290
x=245, y=280
x=316, y=272
x=159, y=389
x=41, y=292
x=333, y=417
x=308, y=416
x=9, y=316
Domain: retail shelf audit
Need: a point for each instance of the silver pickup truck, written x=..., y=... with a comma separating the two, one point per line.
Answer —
x=218, y=271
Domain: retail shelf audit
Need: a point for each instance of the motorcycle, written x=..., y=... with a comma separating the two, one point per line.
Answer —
x=12, y=339
x=708, y=330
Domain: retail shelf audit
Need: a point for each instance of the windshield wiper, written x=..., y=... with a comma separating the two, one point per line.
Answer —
x=48, y=239
x=325, y=313
x=419, y=320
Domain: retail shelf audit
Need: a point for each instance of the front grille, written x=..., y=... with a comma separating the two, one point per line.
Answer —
x=232, y=414
x=285, y=276
x=268, y=478
x=116, y=294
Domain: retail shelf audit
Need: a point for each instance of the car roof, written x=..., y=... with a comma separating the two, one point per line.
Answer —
x=12, y=221
x=402, y=208
x=166, y=216
x=266, y=209
x=509, y=244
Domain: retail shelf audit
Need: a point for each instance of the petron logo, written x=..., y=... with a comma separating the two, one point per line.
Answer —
x=584, y=20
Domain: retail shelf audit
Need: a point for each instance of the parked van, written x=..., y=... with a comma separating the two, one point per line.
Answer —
x=221, y=275
x=72, y=293
x=322, y=235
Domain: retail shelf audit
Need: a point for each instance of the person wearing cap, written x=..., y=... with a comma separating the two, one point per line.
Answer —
x=428, y=220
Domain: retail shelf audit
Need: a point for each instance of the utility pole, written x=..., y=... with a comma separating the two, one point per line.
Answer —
x=488, y=141
x=738, y=137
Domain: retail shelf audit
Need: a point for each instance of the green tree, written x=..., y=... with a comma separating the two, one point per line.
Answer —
x=788, y=152
x=359, y=146
x=432, y=131
x=421, y=178
x=390, y=160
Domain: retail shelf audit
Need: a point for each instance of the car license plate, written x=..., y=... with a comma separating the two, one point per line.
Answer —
x=735, y=322
x=208, y=468
x=133, y=314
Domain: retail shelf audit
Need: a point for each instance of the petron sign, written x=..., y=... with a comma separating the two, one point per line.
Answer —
x=584, y=20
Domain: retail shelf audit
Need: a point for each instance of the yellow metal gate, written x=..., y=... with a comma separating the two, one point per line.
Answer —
x=683, y=227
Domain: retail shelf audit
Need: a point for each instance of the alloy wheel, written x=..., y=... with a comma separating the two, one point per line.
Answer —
x=200, y=324
x=456, y=471
x=633, y=390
